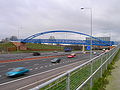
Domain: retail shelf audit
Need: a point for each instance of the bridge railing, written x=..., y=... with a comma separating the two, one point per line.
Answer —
x=83, y=76
x=69, y=41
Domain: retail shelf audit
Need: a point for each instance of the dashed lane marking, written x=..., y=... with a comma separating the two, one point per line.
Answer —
x=36, y=68
x=41, y=67
x=36, y=64
x=50, y=65
x=45, y=65
x=10, y=68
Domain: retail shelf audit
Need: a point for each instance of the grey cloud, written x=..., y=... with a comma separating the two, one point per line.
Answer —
x=42, y=15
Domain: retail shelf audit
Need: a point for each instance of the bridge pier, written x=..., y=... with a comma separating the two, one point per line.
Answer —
x=83, y=48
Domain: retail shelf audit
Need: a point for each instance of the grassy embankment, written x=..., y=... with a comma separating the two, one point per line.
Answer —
x=4, y=47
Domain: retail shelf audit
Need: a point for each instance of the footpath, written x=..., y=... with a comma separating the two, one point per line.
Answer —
x=114, y=78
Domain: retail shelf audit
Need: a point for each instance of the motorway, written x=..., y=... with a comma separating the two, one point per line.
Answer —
x=41, y=69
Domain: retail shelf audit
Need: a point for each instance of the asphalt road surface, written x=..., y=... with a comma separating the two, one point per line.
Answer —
x=39, y=69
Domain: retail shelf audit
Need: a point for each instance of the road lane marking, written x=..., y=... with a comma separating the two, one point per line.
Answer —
x=45, y=65
x=0, y=75
x=10, y=68
x=40, y=80
x=41, y=67
x=40, y=73
x=25, y=59
x=36, y=64
x=36, y=68
x=50, y=65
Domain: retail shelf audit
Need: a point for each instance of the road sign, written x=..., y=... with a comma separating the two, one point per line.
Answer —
x=88, y=48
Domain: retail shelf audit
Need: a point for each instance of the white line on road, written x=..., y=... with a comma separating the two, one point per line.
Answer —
x=41, y=67
x=36, y=68
x=45, y=65
x=39, y=81
x=36, y=64
x=10, y=68
x=50, y=65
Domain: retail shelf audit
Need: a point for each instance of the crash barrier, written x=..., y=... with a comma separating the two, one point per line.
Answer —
x=83, y=76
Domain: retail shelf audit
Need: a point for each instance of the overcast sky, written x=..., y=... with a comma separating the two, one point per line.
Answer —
x=26, y=17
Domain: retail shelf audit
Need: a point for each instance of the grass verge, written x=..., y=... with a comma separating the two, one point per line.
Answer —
x=101, y=83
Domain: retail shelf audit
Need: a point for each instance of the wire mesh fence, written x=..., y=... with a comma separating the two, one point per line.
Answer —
x=83, y=76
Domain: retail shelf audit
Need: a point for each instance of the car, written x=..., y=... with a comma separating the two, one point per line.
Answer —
x=56, y=60
x=73, y=54
x=70, y=56
x=94, y=53
x=55, y=51
x=36, y=54
x=17, y=71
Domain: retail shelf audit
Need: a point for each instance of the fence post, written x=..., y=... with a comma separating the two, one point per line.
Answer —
x=101, y=64
x=91, y=80
x=106, y=57
x=68, y=81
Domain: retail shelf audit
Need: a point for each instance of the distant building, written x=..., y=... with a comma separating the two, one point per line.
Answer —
x=101, y=38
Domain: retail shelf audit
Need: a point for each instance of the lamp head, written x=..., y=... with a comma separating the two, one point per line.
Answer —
x=82, y=8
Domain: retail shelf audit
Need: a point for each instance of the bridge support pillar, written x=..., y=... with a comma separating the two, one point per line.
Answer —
x=83, y=48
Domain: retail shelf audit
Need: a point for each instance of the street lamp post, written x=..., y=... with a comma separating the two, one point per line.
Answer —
x=91, y=22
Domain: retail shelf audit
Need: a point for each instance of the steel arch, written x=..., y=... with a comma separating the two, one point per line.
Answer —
x=39, y=34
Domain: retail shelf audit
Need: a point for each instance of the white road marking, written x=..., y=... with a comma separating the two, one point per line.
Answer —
x=45, y=65
x=41, y=67
x=10, y=68
x=39, y=81
x=63, y=62
x=36, y=64
x=50, y=65
x=36, y=68
x=0, y=75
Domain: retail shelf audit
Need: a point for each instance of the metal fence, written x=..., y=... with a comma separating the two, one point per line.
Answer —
x=82, y=77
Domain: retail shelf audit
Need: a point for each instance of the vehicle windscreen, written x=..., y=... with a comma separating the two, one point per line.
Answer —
x=17, y=70
x=55, y=59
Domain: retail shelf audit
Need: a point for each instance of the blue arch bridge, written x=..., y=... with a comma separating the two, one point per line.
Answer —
x=95, y=41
